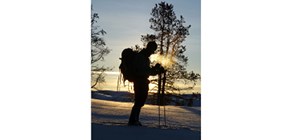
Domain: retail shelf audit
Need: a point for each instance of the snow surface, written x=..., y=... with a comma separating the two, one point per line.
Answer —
x=109, y=119
x=124, y=96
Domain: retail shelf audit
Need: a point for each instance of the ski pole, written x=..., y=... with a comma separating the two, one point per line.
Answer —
x=163, y=96
x=158, y=96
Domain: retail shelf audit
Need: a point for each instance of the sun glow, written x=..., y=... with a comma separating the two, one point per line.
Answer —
x=152, y=87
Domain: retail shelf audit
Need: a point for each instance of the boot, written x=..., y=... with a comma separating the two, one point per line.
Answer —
x=134, y=117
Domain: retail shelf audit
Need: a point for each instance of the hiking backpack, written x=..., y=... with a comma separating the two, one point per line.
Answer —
x=127, y=64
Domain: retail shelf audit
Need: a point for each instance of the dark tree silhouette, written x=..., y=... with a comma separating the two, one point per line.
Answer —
x=170, y=33
x=98, y=51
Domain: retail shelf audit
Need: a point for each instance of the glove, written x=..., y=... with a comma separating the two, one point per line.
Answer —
x=159, y=68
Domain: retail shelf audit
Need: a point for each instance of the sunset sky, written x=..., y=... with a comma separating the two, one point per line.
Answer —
x=126, y=20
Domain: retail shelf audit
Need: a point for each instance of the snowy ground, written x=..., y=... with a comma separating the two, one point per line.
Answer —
x=124, y=96
x=109, y=120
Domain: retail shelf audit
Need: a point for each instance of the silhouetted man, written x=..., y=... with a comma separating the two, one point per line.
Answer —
x=141, y=82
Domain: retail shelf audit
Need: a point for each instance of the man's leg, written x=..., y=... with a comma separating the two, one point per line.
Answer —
x=141, y=93
x=134, y=116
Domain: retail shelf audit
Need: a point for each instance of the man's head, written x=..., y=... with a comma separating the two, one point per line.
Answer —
x=151, y=47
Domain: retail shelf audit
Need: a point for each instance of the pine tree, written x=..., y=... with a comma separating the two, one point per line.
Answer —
x=170, y=33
